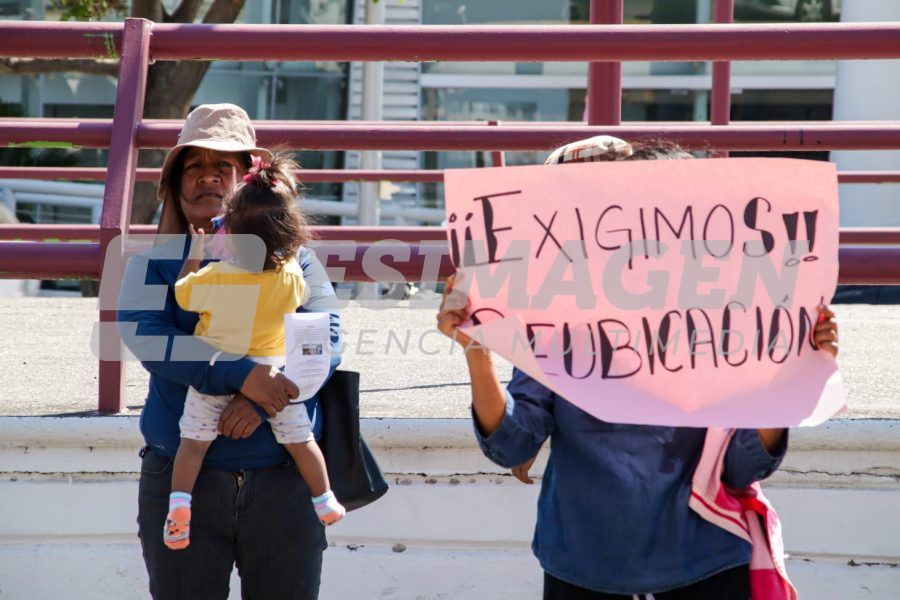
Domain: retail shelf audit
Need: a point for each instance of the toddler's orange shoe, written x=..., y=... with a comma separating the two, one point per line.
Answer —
x=177, y=531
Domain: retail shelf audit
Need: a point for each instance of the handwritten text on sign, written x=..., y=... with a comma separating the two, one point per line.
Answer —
x=675, y=292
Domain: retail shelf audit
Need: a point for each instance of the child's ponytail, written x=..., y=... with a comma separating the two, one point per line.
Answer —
x=269, y=174
x=265, y=206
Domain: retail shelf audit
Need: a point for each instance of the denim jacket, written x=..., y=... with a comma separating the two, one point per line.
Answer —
x=613, y=512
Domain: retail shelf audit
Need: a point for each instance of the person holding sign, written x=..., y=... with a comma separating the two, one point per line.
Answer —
x=261, y=209
x=614, y=519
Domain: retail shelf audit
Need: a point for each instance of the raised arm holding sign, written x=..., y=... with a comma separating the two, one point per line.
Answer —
x=641, y=302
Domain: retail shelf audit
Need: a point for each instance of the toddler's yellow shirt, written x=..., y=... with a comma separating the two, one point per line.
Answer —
x=240, y=311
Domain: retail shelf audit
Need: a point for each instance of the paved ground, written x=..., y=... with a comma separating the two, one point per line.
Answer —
x=46, y=364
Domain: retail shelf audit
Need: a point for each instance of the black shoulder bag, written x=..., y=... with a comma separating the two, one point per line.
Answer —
x=355, y=476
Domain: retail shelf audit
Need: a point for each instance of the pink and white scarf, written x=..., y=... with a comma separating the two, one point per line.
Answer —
x=747, y=514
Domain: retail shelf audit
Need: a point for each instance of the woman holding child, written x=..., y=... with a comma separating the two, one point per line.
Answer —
x=249, y=507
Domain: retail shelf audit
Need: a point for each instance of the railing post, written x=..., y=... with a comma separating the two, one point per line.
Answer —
x=369, y=203
x=498, y=157
x=720, y=99
x=114, y=220
x=604, y=93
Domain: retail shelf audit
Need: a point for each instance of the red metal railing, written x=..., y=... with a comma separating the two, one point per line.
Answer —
x=604, y=106
x=338, y=175
x=90, y=233
x=720, y=95
x=866, y=256
x=563, y=43
x=880, y=135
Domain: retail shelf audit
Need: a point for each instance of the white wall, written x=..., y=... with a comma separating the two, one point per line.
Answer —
x=452, y=526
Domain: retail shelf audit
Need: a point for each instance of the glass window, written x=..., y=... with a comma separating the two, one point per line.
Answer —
x=783, y=105
x=487, y=104
x=460, y=12
x=77, y=111
x=322, y=12
x=26, y=10
x=529, y=105
x=663, y=105
x=484, y=104
x=497, y=104
x=533, y=12
x=246, y=87
x=30, y=212
x=293, y=90
x=318, y=97
x=500, y=12
x=814, y=11
x=450, y=12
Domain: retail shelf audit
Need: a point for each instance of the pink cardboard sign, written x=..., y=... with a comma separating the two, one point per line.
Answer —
x=677, y=292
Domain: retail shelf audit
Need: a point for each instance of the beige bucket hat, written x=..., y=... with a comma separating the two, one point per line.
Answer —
x=221, y=127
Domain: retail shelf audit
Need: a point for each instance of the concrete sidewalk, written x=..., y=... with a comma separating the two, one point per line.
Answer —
x=409, y=369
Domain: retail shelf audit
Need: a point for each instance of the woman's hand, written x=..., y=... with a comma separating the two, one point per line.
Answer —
x=239, y=419
x=269, y=389
x=826, y=338
x=488, y=399
x=195, y=252
x=198, y=243
x=454, y=312
x=826, y=332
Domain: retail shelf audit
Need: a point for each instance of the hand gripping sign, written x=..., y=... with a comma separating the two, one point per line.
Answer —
x=678, y=293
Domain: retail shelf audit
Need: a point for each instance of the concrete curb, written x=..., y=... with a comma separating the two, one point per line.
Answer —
x=881, y=435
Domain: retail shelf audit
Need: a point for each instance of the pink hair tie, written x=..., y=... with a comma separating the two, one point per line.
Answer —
x=257, y=164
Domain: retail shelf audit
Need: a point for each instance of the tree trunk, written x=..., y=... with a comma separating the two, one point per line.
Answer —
x=171, y=86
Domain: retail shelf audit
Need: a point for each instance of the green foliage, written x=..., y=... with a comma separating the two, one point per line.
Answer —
x=88, y=10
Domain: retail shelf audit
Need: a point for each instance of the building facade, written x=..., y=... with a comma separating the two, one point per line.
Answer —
x=502, y=91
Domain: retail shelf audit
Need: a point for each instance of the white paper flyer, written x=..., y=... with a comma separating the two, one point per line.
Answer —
x=308, y=351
